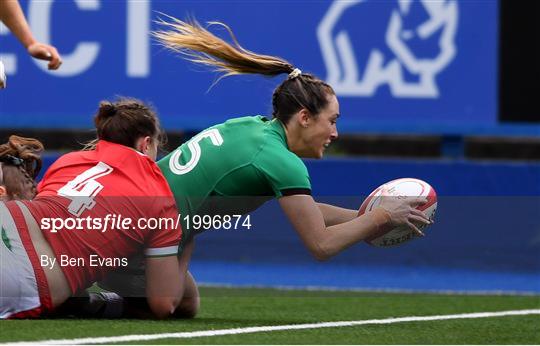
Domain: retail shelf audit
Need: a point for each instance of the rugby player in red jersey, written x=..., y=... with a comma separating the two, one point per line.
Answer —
x=44, y=261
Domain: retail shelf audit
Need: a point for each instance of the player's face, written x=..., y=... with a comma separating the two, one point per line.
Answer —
x=322, y=130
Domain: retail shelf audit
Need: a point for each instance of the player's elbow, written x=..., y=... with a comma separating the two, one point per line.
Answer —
x=188, y=308
x=321, y=252
x=163, y=307
x=321, y=256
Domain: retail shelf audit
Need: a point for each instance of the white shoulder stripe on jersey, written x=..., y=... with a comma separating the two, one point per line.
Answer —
x=161, y=251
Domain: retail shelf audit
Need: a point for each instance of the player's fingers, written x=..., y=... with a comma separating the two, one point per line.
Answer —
x=45, y=52
x=55, y=60
x=416, y=201
x=422, y=215
x=419, y=220
x=415, y=229
x=39, y=51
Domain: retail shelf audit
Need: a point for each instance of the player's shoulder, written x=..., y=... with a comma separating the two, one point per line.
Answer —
x=121, y=157
x=256, y=128
x=247, y=127
x=275, y=143
x=243, y=137
x=112, y=153
x=70, y=159
x=282, y=159
x=249, y=120
x=276, y=156
x=265, y=137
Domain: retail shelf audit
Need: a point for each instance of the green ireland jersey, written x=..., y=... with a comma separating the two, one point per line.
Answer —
x=225, y=168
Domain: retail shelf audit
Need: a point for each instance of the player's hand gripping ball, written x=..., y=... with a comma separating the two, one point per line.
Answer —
x=407, y=187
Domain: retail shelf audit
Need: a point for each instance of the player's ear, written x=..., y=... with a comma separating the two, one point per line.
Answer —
x=3, y=191
x=304, y=117
x=143, y=144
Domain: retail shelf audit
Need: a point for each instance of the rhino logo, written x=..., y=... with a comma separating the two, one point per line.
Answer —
x=403, y=44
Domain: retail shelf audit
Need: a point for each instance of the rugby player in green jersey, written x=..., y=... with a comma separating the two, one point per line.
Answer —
x=256, y=156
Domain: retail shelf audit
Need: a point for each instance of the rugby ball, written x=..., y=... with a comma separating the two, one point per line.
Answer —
x=409, y=187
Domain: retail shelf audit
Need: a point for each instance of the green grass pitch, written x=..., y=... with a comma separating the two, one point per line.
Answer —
x=224, y=308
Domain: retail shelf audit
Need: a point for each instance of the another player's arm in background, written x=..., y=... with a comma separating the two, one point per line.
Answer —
x=190, y=299
x=12, y=16
x=324, y=242
x=335, y=215
x=163, y=285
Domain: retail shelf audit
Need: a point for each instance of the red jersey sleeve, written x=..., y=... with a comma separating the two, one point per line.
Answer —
x=164, y=240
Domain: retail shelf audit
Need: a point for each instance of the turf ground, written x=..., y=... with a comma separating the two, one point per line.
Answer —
x=226, y=308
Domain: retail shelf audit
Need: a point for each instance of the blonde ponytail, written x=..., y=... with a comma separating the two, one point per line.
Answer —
x=200, y=46
x=197, y=44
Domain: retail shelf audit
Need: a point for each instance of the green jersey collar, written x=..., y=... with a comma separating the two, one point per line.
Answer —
x=279, y=128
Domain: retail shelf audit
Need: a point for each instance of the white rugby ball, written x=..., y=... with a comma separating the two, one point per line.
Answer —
x=409, y=187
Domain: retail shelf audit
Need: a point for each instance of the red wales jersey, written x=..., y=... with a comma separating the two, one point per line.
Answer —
x=98, y=208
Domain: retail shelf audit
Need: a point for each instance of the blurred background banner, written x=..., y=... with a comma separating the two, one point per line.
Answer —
x=410, y=66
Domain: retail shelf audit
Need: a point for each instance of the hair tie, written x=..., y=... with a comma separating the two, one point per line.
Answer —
x=107, y=110
x=295, y=73
x=111, y=110
x=12, y=160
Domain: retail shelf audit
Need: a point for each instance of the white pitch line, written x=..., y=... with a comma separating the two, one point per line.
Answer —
x=234, y=331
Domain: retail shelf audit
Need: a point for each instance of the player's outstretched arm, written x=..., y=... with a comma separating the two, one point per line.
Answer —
x=334, y=215
x=324, y=242
x=163, y=285
x=12, y=16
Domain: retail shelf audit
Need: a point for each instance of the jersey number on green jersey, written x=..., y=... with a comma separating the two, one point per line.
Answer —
x=195, y=148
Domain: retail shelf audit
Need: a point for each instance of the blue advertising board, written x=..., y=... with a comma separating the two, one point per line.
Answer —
x=414, y=66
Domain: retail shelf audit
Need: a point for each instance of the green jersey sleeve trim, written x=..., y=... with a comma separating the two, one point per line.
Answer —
x=292, y=192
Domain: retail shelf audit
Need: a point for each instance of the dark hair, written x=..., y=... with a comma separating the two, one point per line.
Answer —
x=21, y=163
x=199, y=45
x=126, y=120
x=305, y=91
